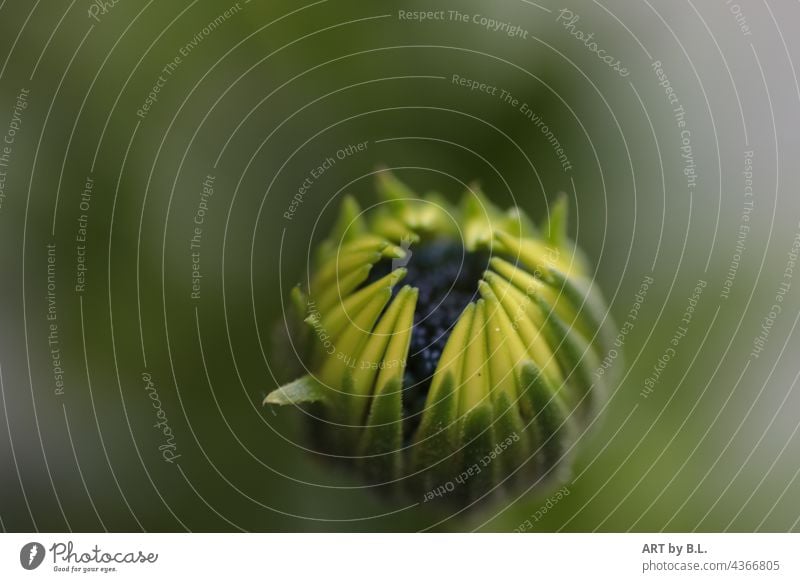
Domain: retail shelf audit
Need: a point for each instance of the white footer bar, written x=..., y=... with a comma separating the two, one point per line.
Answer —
x=400, y=557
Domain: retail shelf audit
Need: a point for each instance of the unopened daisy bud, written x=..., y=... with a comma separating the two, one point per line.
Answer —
x=450, y=349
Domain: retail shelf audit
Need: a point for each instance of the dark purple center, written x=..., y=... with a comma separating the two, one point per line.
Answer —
x=446, y=276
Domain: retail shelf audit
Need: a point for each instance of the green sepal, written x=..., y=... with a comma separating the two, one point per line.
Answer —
x=555, y=225
x=292, y=342
x=389, y=188
x=516, y=223
x=575, y=356
x=478, y=215
x=350, y=224
x=382, y=439
x=477, y=437
x=508, y=423
x=386, y=224
x=593, y=314
x=436, y=438
x=299, y=302
x=553, y=427
x=435, y=216
x=324, y=251
x=346, y=410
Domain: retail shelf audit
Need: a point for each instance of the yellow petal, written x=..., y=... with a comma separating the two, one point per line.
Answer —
x=526, y=318
x=535, y=254
x=348, y=344
x=394, y=362
x=345, y=311
x=450, y=360
x=372, y=355
x=475, y=375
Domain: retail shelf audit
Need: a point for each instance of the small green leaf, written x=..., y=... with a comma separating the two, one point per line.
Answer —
x=304, y=390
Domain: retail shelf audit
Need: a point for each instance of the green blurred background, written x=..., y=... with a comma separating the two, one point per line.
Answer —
x=261, y=95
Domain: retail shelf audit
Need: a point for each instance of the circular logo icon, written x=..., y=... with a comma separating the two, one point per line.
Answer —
x=31, y=555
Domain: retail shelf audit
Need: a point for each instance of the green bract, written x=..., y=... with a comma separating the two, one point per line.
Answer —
x=516, y=380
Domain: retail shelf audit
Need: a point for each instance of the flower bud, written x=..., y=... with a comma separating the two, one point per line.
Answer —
x=450, y=350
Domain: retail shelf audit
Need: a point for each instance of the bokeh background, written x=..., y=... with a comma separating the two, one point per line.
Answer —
x=263, y=91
